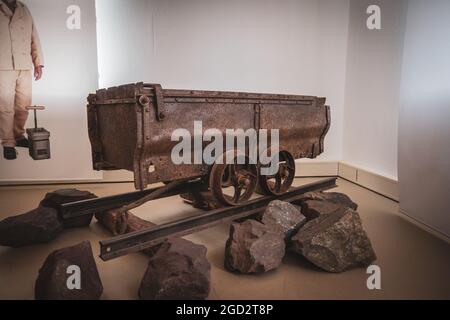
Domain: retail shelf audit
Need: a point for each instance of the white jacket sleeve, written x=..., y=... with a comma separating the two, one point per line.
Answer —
x=36, y=50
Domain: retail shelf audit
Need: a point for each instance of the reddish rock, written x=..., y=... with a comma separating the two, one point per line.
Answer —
x=135, y=223
x=253, y=247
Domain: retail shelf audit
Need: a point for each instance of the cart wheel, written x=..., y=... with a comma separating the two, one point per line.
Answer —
x=233, y=184
x=281, y=181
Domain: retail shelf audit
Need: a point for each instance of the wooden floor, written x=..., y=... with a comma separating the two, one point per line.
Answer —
x=414, y=264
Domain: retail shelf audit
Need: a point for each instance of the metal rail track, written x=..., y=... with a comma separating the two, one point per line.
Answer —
x=84, y=207
x=143, y=239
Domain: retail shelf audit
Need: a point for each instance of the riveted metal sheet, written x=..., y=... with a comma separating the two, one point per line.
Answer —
x=130, y=126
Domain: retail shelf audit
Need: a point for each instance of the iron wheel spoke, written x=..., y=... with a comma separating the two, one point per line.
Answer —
x=278, y=181
x=237, y=194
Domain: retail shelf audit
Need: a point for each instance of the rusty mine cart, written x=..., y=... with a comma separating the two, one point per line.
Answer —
x=130, y=128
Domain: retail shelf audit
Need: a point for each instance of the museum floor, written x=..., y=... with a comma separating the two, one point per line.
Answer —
x=414, y=264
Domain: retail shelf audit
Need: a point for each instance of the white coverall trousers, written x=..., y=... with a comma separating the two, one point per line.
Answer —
x=15, y=96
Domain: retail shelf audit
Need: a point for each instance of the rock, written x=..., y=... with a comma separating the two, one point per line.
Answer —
x=118, y=222
x=135, y=223
x=178, y=270
x=114, y=220
x=54, y=275
x=253, y=247
x=314, y=208
x=283, y=217
x=335, y=242
x=55, y=198
x=201, y=200
x=314, y=204
x=39, y=225
x=334, y=197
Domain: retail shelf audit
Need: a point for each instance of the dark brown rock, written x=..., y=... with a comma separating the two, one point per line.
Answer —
x=52, y=282
x=201, y=200
x=55, y=198
x=135, y=223
x=39, y=225
x=283, y=217
x=124, y=222
x=114, y=220
x=178, y=270
x=335, y=242
x=253, y=247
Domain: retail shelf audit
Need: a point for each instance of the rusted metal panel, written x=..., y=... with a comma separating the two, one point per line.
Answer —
x=130, y=126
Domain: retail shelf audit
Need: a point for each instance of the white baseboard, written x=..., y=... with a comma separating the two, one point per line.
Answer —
x=424, y=226
x=365, y=178
x=108, y=176
x=370, y=180
x=46, y=182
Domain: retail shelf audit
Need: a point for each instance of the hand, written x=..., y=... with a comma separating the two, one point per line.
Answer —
x=37, y=72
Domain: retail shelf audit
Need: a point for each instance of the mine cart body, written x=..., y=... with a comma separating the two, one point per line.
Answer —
x=130, y=126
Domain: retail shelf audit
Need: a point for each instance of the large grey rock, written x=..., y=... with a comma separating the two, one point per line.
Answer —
x=178, y=270
x=39, y=225
x=283, y=217
x=314, y=204
x=52, y=282
x=253, y=247
x=335, y=242
x=55, y=198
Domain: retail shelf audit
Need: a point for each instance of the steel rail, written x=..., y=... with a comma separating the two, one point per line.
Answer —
x=143, y=239
x=84, y=207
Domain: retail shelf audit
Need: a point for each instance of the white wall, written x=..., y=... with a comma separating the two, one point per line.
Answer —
x=289, y=46
x=373, y=87
x=70, y=73
x=424, y=131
